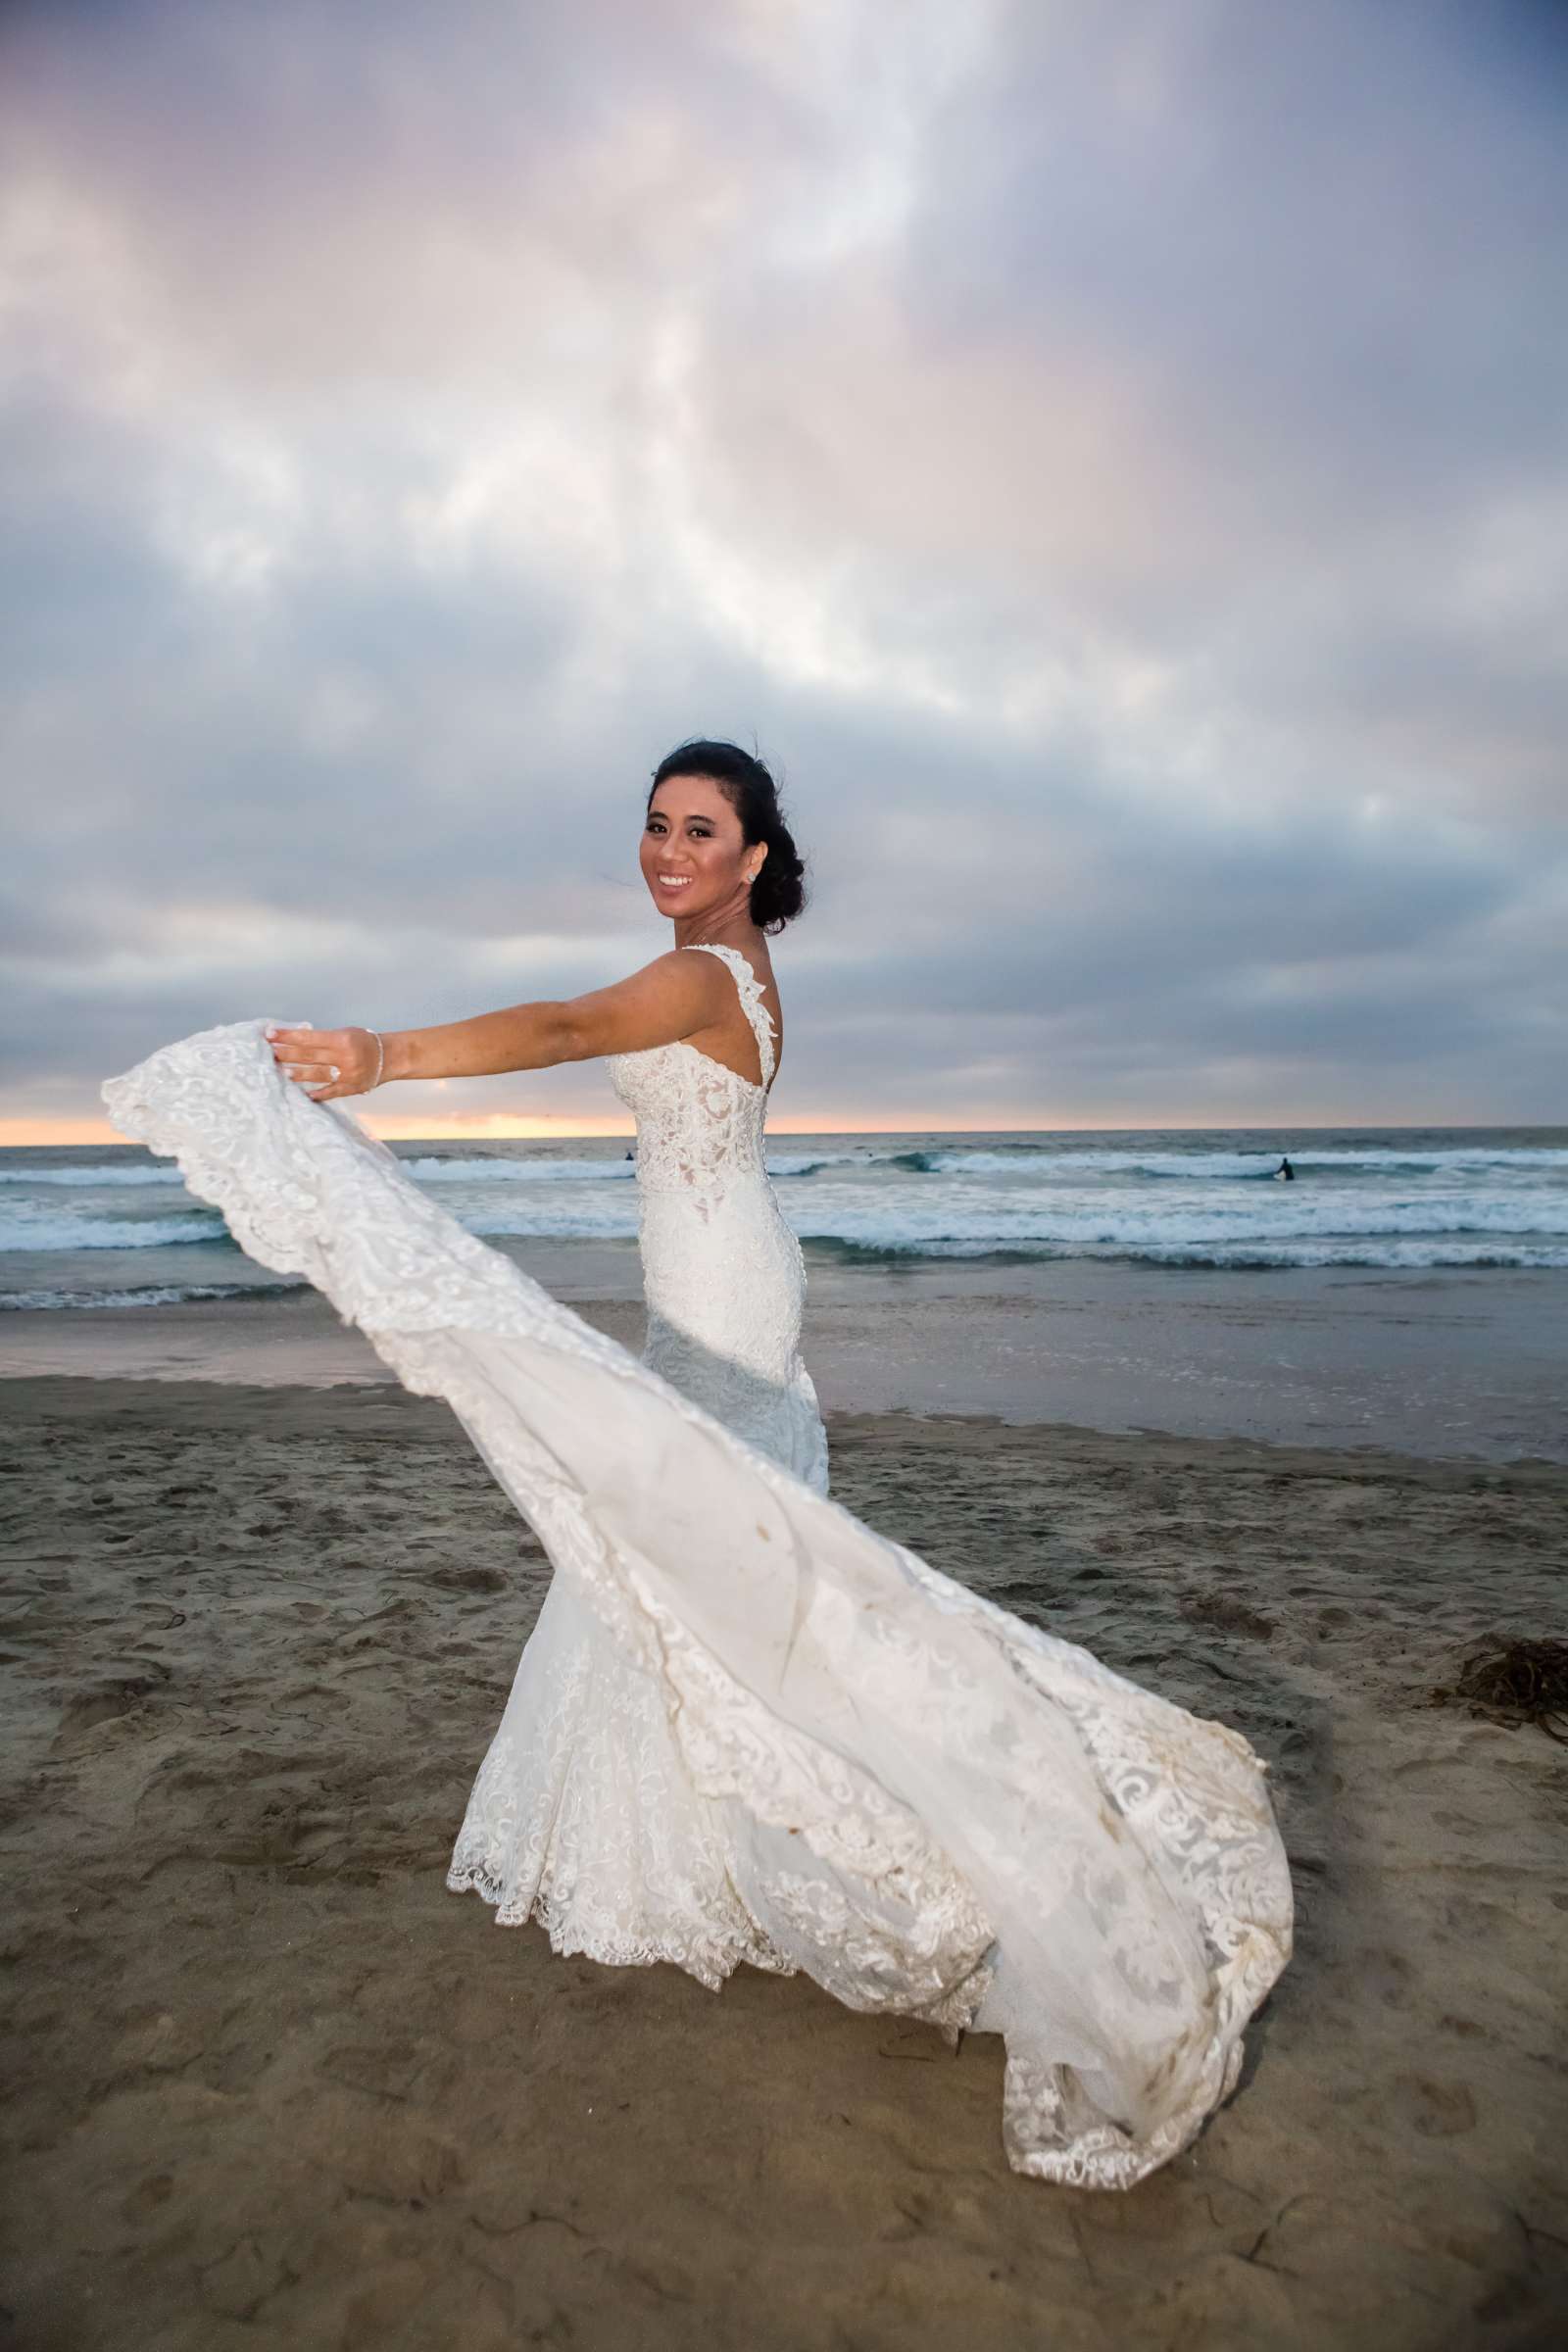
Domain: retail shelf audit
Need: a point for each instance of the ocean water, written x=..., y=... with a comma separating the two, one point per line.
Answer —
x=105, y=1226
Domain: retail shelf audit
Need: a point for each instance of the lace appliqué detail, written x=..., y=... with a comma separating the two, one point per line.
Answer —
x=698, y=1123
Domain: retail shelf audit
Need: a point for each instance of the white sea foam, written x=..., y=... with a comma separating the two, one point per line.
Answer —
x=1210, y=1166
x=94, y=1176
x=164, y=1294
x=1428, y=1198
x=1426, y=1252
x=24, y=1227
x=519, y=1171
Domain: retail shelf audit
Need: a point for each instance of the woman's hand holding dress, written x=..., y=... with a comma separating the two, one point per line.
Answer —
x=328, y=1062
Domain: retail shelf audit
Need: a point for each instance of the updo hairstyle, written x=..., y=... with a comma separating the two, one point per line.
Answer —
x=779, y=892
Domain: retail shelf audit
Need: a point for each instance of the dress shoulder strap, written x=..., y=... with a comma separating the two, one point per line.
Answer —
x=752, y=1003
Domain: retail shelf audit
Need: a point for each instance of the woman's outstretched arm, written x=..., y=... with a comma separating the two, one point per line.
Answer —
x=678, y=993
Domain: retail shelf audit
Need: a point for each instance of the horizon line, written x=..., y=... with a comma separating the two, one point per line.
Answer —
x=46, y=1135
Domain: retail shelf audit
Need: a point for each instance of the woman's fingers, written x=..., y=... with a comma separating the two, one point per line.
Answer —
x=306, y=1046
x=311, y=1057
x=324, y=1062
x=320, y=1082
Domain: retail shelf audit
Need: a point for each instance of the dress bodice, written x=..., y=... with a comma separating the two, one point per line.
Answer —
x=723, y=1272
x=698, y=1125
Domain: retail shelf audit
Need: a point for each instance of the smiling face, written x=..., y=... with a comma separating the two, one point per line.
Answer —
x=695, y=861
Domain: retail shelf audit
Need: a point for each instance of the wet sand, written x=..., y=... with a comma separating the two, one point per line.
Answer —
x=1457, y=1362
x=271, y=2085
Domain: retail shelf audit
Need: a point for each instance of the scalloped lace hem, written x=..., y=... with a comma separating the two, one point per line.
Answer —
x=711, y=1963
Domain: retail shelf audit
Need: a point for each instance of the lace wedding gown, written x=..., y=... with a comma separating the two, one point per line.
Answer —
x=746, y=1726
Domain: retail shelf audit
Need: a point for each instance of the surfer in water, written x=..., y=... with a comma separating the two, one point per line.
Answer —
x=1285, y=1173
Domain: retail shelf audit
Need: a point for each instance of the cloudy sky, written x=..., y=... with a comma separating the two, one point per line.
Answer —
x=1110, y=457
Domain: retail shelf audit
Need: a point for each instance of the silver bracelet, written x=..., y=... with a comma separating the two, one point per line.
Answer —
x=380, y=1061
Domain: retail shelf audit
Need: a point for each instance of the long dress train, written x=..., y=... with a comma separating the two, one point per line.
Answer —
x=746, y=1726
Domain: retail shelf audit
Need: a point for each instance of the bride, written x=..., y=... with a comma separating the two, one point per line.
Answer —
x=746, y=1726
x=722, y=1272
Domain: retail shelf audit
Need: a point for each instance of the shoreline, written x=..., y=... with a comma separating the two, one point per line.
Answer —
x=1467, y=1364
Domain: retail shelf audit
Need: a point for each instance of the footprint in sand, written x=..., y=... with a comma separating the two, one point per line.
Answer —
x=1439, y=2110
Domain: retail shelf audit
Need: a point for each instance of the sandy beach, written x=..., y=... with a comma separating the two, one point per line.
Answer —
x=272, y=2085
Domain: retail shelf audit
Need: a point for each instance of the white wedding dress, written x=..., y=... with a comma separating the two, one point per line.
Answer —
x=746, y=1726
x=583, y=1815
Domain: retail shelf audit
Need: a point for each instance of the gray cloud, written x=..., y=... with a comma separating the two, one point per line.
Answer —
x=1112, y=460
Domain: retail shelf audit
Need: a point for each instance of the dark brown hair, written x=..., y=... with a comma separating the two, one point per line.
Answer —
x=779, y=892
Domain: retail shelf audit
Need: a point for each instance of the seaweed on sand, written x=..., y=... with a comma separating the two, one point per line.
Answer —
x=1515, y=1682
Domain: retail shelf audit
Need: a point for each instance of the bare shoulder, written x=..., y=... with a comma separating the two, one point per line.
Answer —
x=668, y=998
